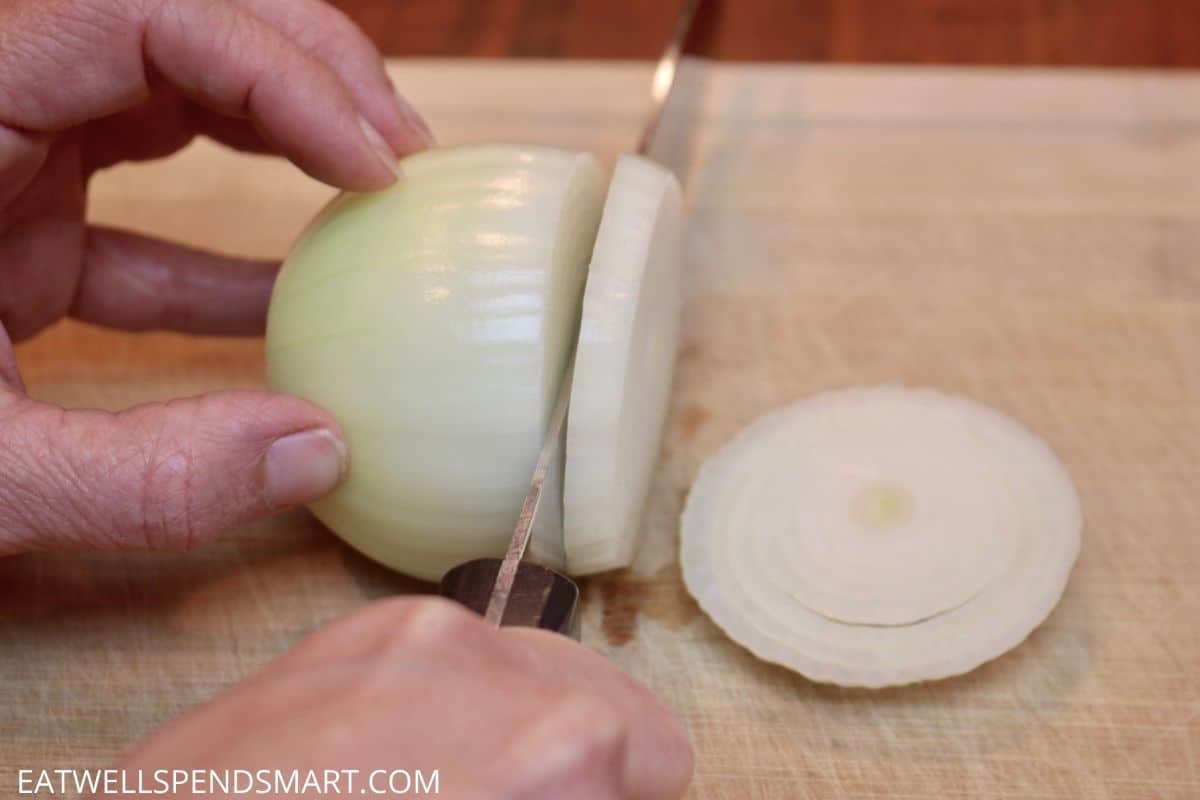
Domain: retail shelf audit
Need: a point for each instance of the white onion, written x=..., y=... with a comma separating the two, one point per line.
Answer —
x=882, y=536
x=434, y=321
x=624, y=364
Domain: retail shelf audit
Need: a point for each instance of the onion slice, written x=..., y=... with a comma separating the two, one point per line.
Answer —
x=875, y=537
x=624, y=365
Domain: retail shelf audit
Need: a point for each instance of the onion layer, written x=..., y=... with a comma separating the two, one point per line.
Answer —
x=882, y=536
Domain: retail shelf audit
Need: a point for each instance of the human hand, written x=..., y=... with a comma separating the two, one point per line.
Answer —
x=85, y=84
x=422, y=684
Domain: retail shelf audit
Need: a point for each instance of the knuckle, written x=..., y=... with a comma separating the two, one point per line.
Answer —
x=353, y=47
x=592, y=722
x=341, y=22
x=233, y=44
x=430, y=623
x=166, y=512
x=581, y=741
x=375, y=631
x=414, y=626
x=165, y=16
x=252, y=409
x=327, y=38
x=233, y=38
x=331, y=30
x=100, y=480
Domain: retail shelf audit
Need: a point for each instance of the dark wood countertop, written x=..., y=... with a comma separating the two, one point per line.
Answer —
x=1129, y=33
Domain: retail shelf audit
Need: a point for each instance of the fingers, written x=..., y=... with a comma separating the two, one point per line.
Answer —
x=135, y=283
x=658, y=759
x=558, y=721
x=230, y=62
x=581, y=745
x=43, y=237
x=161, y=476
x=333, y=37
x=212, y=51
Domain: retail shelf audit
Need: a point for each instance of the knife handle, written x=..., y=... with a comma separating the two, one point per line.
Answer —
x=541, y=597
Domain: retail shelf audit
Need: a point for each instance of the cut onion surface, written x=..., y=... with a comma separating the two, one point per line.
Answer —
x=882, y=536
x=434, y=320
x=624, y=365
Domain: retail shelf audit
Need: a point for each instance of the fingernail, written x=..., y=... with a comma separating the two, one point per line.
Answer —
x=415, y=122
x=385, y=152
x=303, y=467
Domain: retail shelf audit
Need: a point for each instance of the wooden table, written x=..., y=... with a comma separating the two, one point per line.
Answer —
x=1029, y=239
x=1164, y=33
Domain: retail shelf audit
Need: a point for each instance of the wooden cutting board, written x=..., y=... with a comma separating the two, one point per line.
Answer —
x=1030, y=239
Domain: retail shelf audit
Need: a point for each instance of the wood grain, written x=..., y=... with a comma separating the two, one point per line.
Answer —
x=1028, y=239
x=1162, y=33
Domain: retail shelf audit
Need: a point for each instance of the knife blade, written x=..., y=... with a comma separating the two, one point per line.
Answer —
x=541, y=511
x=527, y=591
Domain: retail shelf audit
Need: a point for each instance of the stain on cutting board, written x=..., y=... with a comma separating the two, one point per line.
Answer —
x=691, y=417
x=624, y=596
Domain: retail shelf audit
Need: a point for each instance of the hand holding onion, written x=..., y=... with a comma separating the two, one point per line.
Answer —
x=97, y=82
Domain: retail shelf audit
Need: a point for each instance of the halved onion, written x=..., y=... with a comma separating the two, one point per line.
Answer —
x=434, y=320
x=624, y=365
x=873, y=537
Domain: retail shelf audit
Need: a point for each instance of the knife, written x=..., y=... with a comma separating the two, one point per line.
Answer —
x=530, y=591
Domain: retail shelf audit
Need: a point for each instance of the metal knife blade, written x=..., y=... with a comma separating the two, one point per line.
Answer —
x=541, y=512
x=665, y=72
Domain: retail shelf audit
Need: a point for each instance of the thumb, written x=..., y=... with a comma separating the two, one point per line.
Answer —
x=163, y=476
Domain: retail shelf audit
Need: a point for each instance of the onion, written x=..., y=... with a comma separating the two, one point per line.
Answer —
x=434, y=320
x=874, y=537
x=623, y=366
